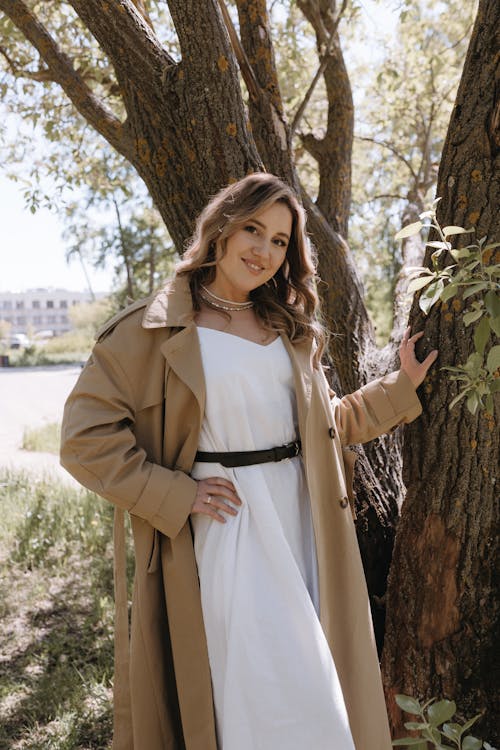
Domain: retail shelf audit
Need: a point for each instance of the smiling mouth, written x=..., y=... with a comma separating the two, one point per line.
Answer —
x=253, y=266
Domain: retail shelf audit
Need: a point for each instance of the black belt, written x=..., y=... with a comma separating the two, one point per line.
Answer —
x=230, y=459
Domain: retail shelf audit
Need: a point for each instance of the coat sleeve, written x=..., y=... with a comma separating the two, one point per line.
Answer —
x=98, y=447
x=378, y=407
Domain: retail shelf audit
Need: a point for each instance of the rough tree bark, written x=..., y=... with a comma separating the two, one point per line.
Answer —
x=443, y=605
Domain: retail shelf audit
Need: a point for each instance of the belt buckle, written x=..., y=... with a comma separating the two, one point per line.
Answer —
x=295, y=445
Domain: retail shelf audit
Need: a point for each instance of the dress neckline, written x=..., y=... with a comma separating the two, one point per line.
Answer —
x=241, y=338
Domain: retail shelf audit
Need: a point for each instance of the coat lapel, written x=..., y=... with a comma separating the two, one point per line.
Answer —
x=172, y=307
x=182, y=354
x=300, y=356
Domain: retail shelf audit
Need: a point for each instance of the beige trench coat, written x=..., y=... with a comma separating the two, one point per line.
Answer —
x=130, y=433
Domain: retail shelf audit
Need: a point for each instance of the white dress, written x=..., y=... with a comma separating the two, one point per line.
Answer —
x=274, y=680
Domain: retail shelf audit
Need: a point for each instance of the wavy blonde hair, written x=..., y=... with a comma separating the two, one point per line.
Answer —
x=288, y=303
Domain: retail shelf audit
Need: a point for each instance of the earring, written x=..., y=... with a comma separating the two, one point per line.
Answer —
x=274, y=282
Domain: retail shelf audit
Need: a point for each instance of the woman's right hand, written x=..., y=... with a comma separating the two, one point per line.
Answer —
x=212, y=498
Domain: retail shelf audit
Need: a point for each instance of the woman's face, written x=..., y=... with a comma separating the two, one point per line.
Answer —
x=253, y=253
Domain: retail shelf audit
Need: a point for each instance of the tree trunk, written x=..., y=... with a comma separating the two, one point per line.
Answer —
x=443, y=605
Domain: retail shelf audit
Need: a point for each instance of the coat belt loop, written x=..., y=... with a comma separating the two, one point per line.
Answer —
x=122, y=716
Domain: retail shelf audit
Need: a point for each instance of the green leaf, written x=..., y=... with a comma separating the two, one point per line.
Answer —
x=448, y=292
x=469, y=723
x=419, y=283
x=492, y=303
x=472, y=402
x=408, y=704
x=472, y=743
x=433, y=734
x=481, y=335
x=473, y=364
x=439, y=244
x=441, y=711
x=491, y=247
x=458, y=398
x=471, y=317
x=452, y=731
x=475, y=288
x=495, y=325
x=409, y=230
x=430, y=295
x=493, y=359
x=464, y=252
x=451, y=229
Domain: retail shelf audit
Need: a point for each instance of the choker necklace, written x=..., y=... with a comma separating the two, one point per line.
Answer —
x=227, y=304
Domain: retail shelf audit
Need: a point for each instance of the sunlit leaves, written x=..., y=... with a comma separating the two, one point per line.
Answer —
x=434, y=726
x=470, y=276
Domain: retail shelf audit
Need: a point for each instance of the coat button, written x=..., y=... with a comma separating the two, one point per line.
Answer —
x=344, y=502
x=331, y=432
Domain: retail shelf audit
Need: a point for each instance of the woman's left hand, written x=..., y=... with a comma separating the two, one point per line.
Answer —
x=415, y=370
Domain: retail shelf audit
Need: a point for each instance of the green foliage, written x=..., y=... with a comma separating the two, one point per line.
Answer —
x=88, y=317
x=471, y=275
x=434, y=726
x=46, y=438
x=404, y=94
x=5, y=328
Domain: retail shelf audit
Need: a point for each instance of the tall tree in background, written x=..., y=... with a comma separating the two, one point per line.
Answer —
x=176, y=112
x=443, y=606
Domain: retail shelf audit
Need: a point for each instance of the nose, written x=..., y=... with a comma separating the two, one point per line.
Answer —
x=262, y=247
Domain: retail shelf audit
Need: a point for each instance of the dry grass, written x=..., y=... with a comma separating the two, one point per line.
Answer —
x=56, y=612
x=46, y=438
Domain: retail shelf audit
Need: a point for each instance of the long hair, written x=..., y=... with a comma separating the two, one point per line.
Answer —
x=288, y=303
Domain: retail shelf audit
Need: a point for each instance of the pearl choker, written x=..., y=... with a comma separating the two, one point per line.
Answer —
x=224, y=304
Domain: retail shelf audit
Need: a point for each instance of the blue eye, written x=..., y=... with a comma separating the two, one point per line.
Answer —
x=250, y=228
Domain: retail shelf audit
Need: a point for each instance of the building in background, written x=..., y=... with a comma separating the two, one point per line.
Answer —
x=40, y=309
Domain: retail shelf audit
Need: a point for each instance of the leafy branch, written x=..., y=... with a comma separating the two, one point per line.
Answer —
x=434, y=726
x=471, y=275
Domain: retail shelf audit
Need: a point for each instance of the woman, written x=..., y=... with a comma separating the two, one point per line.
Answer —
x=250, y=619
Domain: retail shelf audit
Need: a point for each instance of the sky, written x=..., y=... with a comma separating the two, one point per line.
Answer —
x=32, y=252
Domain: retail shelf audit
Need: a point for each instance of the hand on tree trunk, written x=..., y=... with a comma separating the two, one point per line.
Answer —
x=415, y=370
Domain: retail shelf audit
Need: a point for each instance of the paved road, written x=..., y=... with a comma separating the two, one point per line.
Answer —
x=31, y=397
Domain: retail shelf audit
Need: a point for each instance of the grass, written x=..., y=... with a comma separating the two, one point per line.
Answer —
x=56, y=616
x=34, y=356
x=68, y=348
x=46, y=438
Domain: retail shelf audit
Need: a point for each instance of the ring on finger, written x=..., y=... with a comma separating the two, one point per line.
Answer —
x=209, y=499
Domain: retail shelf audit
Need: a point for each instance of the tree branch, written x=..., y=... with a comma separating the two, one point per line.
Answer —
x=244, y=64
x=269, y=127
x=334, y=151
x=321, y=69
x=61, y=69
x=141, y=7
x=393, y=150
x=133, y=48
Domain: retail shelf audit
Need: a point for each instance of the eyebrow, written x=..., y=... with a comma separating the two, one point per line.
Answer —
x=256, y=221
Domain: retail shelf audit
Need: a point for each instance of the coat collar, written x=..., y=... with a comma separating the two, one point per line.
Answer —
x=171, y=306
